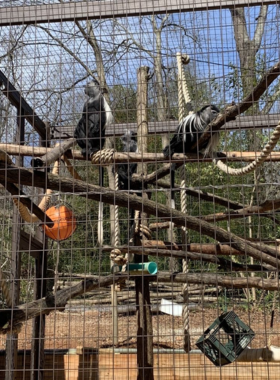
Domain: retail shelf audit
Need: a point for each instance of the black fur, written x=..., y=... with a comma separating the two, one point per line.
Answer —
x=126, y=170
x=90, y=131
x=190, y=130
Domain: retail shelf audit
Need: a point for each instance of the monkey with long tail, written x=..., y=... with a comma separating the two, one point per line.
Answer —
x=90, y=132
x=188, y=133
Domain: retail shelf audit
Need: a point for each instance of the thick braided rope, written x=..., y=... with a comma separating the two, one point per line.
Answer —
x=186, y=311
x=255, y=164
x=116, y=255
x=180, y=88
x=183, y=95
x=117, y=227
x=104, y=157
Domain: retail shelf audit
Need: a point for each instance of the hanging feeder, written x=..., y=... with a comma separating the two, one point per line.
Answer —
x=225, y=339
x=64, y=223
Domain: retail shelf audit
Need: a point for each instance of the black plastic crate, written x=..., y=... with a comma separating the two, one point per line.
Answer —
x=225, y=339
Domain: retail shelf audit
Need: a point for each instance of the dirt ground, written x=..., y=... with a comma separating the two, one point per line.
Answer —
x=92, y=328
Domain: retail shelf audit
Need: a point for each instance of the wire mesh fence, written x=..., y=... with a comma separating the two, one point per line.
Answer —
x=139, y=173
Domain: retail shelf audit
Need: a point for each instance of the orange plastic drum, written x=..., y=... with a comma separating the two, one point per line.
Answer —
x=64, y=223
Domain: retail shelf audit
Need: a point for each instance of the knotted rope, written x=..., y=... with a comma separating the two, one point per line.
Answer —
x=103, y=157
x=116, y=255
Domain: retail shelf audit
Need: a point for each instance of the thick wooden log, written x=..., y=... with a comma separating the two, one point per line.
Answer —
x=53, y=154
x=53, y=182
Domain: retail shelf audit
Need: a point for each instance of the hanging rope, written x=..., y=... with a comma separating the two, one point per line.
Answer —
x=255, y=164
x=184, y=97
x=116, y=255
x=183, y=91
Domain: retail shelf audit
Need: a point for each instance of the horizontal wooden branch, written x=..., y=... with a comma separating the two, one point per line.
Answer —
x=12, y=319
x=22, y=176
x=246, y=211
x=119, y=157
x=207, y=249
x=214, y=259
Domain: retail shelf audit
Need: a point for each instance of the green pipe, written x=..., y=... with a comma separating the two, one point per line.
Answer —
x=142, y=268
x=137, y=268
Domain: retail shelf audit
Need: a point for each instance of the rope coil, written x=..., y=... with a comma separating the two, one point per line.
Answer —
x=103, y=157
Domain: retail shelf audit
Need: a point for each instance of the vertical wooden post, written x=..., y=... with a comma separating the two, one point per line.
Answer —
x=12, y=339
x=143, y=304
x=38, y=332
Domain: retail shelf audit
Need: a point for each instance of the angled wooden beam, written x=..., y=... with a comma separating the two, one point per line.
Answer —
x=89, y=10
x=30, y=245
x=20, y=103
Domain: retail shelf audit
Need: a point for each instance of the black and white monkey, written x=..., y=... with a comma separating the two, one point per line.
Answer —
x=188, y=133
x=126, y=170
x=90, y=133
x=191, y=129
x=96, y=116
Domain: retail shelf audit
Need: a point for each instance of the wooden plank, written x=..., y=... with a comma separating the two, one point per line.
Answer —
x=169, y=126
x=182, y=367
x=71, y=11
x=170, y=366
x=30, y=244
x=19, y=102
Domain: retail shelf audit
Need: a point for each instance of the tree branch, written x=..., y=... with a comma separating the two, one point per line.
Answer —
x=22, y=176
x=231, y=112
